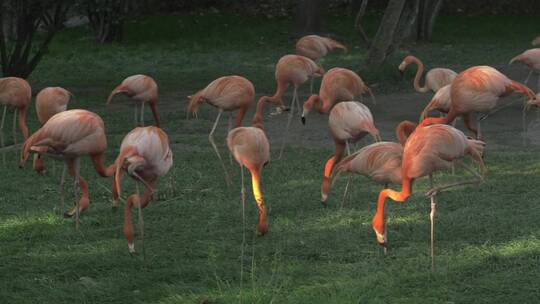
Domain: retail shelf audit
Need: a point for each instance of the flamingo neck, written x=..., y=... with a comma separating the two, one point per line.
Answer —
x=99, y=164
x=133, y=201
x=418, y=75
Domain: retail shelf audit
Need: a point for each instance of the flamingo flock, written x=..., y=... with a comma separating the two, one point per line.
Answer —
x=145, y=154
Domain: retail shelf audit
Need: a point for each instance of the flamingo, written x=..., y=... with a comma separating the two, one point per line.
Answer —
x=338, y=84
x=49, y=101
x=315, y=47
x=15, y=92
x=429, y=149
x=435, y=78
x=295, y=70
x=380, y=161
x=349, y=121
x=142, y=89
x=228, y=93
x=532, y=59
x=440, y=101
x=145, y=155
x=250, y=148
x=478, y=89
x=67, y=136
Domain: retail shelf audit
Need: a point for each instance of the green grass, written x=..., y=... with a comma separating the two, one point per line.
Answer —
x=488, y=237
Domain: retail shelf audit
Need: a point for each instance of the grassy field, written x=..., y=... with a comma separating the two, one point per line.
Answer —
x=488, y=237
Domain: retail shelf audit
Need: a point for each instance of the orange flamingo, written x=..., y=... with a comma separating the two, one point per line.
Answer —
x=251, y=149
x=295, y=70
x=145, y=155
x=429, y=149
x=49, y=101
x=349, y=121
x=478, y=89
x=435, y=78
x=142, y=89
x=380, y=161
x=315, y=47
x=67, y=136
x=15, y=92
x=228, y=93
x=440, y=101
x=532, y=59
x=337, y=85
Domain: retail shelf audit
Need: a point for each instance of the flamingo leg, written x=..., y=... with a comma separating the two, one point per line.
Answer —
x=2, y=144
x=142, y=114
x=76, y=189
x=432, y=220
x=212, y=142
x=298, y=106
x=477, y=180
x=291, y=114
x=243, y=199
x=15, y=126
x=62, y=181
x=140, y=219
x=228, y=131
x=311, y=85
x=349, y=178
x=528, y=76
x=135, y=115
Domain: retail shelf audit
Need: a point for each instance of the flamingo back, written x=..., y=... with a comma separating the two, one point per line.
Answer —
x=296, y=69
x=529, y=57
x=438, y=78
x=249, y=146
x=380, y=162
x=229, y=92
x=141, y=87
x=351, y=120
x=441, y=101
x=50, y=101
x=315, y=47
x=433, y=148
x=15, y=92
x=339, y=84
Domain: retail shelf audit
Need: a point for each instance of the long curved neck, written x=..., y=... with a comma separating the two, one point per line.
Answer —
x=257, y=118
x=404, y=130
x=418, y=75
x=262, y=226
x=99, y=164
x=132, y=201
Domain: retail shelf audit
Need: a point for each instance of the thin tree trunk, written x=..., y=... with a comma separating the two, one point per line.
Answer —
x=310, y=17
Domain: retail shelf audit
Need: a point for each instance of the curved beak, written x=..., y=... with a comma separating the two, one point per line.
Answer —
x=303, y=120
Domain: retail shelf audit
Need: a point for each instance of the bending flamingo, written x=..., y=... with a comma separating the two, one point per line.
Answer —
x=67, y=136
x=441, y=102
x=349, y=121
x=380, y=161
x=478, y=89
x=315, y=47
x=532, y=59
x=337, y=85
x=49, y=101
x=435, y=78
x=145, y=155
x=142, y=89
x=429, y=149
x=15, y=92
x=251, y=149
x=228, y=93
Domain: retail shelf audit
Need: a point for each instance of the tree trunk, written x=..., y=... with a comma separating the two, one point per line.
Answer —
x=310, y=17
x=429, y=10
x=358, y=21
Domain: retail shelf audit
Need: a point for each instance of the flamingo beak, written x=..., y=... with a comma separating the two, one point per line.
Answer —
x=303, y=120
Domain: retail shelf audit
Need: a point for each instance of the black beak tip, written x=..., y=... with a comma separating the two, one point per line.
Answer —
x=303, y=120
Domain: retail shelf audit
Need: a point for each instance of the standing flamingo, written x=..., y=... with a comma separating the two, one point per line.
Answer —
x=49, y=101
x=532, y=59
x=145, y=155
x=15, y=92
x=337, y=85
x=349, y=121
x=429, y=149
x=380, y=161
x=251, y=149
x=295, y=70
x=228, y=93
x=142, y=89
x=435, y=78
x=67, y=136
x=478, y=89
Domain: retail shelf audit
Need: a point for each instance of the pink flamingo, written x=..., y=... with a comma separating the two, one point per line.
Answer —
x=435, y=78
x=441, y=101
x=228, y=93
x=532, y=59
x=349, y=121
x=67, y=136
x=142, y=89
x=145, y=155
x=315, y=47
x=15, y=92
x=337, y=85
x=429, y=149
x=477, y=89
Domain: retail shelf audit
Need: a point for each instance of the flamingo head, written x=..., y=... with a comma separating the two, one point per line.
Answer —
x=308, y=105
x=533, y=102
x=195, y=101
